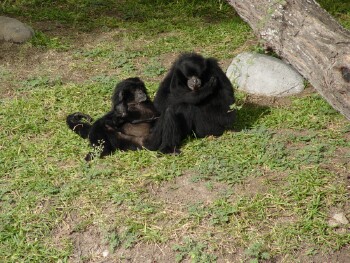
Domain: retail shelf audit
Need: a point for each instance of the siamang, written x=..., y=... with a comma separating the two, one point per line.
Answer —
x=125, y=126
x=194, y=97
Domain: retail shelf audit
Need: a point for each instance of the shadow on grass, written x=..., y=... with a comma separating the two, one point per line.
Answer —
x=86, y=14
x=249, y=114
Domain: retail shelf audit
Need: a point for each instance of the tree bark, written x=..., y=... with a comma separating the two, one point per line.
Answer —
x=307, y=37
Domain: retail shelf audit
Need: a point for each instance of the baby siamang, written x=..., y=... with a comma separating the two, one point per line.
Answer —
x=194, y=97
x=125, y=126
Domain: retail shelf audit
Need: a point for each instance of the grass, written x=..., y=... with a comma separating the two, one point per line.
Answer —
x=265, y=191
x=339, y=9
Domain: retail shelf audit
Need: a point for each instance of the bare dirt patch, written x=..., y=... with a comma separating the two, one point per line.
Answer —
x=250, y=187
x=340, y=256
x=278, y=101
x=183, y=191
x=22, y=62
x=88, y=246
x=143, y=252
x=87, y=238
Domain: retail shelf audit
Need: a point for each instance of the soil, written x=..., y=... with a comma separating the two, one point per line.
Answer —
x=89, y=244
x=182, y=191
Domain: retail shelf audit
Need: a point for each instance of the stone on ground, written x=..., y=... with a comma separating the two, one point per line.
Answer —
x=340, y=217
x=14, y=31
x=264, y=75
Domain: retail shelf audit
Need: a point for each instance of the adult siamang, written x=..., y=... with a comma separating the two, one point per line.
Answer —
x=194, y=97
x=125, y=126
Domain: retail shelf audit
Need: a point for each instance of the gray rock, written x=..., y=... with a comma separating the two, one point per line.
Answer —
x=333, y=223
x=264, y=75
x=340, y=217
x=13, y=30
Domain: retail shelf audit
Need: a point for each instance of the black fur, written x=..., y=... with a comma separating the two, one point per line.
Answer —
x=125, y=126
x=194, y=97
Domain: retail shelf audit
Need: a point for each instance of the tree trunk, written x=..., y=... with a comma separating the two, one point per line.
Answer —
x=305, y=35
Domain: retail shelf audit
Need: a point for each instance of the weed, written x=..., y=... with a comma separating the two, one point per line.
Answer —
x=131, y=236
x=114, y=241
x=154, y=69
x=221, y=211
x=40, y=82
x=42, y=40
x=256, y=252
x=197, y=211
x=106, y=80
x=193, y=250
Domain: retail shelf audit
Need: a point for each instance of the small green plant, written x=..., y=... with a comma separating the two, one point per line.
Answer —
x=257, y=252
x=221, y=211
x=131, y=236
x=121, y=62
x=124, y=61
x=114, y=241
x=197, y=211
x=42, y=40
x=312, y=154
x=36, y=82
x=259, y=48
x=96, y=53
x=125, y=64
x=39, y=82
x=97, y=150
x=105, y=80
x=154, y=69
x=193, y=250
